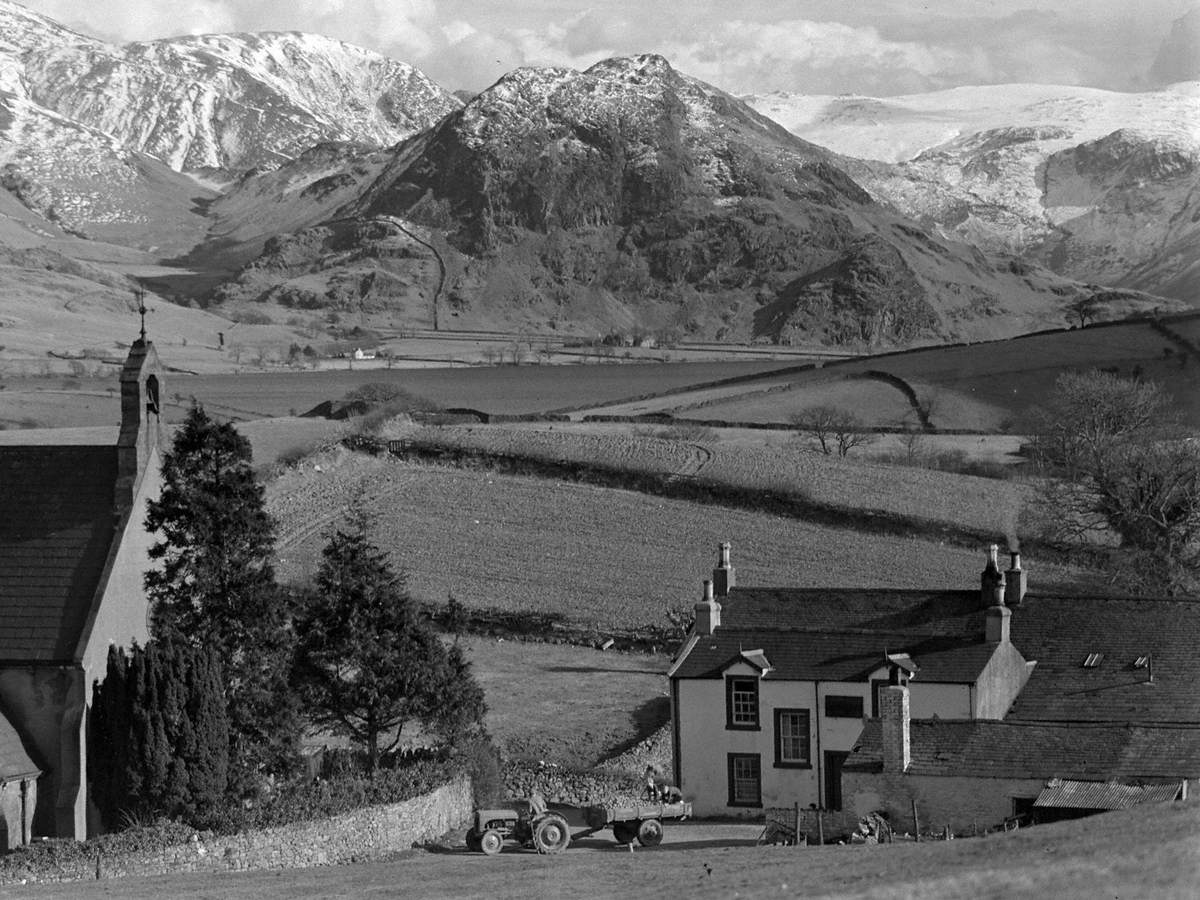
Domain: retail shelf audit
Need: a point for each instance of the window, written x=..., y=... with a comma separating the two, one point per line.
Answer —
x=745, y=779
x=791, y=738
x=843, y=707
x=741, y=703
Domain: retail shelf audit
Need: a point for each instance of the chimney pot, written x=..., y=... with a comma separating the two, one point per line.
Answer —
x=1016, y=581
x=991, y=580
x=723, y=574
x=708, y=612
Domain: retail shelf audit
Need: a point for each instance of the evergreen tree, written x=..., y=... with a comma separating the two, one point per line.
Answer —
x=159, y=737
x=216, y=585
x=367, y=662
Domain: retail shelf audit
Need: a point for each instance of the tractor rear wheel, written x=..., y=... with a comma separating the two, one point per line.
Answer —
x=490, y=842
x=625, y=832
x=551, y=834
x=650, y=833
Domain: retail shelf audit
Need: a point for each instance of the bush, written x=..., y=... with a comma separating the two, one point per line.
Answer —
x=298, y=801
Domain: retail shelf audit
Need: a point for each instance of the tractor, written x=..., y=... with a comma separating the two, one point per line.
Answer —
x=526, y=822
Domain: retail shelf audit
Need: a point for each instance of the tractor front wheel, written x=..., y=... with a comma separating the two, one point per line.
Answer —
x=490, y=842
x=650, y=833
x=551, y=834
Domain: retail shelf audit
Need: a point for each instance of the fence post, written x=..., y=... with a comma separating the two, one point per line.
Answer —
x=916, y=822
x=796, y=824
x=820, y=827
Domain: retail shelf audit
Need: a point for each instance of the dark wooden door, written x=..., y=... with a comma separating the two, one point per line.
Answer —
x=833, y=778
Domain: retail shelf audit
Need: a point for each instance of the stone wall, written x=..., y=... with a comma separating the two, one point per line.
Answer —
x=966, y=805
x=352, y=837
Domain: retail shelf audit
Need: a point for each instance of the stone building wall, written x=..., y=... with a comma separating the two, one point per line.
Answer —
x=352, y=837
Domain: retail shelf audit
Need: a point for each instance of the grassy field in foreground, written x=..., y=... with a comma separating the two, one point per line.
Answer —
x=1153, y=851
x=600, y=556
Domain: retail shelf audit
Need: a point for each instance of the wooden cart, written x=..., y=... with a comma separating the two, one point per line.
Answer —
x=643, y=822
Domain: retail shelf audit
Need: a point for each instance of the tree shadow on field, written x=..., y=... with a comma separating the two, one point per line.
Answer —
x=647, y=719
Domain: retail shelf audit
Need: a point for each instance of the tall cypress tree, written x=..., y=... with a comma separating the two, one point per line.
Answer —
x=159, y=738
x=216, y=585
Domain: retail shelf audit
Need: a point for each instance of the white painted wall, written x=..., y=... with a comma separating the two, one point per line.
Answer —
x=705, y=742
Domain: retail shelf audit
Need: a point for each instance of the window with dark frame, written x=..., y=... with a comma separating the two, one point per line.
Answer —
x=792, y=739
x=741, y=703
x=745, y=779
x=839, y=706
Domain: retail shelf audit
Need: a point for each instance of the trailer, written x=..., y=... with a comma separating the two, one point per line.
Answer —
x=642, y=822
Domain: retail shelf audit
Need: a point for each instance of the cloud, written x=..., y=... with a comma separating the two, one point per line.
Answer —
x=814, y=57
x=816, y=46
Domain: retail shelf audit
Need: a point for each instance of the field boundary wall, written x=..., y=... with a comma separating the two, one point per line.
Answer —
x=364, y=834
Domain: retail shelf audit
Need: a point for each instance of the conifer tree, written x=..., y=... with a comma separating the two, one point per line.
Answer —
x=367, y=662
x=159, y=737
x=216, y=586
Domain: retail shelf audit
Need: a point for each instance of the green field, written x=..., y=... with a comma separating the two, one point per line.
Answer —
x=991, y=386
x=597, y=556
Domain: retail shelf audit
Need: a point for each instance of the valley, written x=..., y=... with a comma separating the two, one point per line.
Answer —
x=550, y=342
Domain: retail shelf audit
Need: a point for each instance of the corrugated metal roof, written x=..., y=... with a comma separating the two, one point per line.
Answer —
x=1064, y=794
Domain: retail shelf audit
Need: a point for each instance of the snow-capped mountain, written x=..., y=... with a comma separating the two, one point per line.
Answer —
x=1099, y=185
x=632, y=196
x=92, y=135
x=235, y=101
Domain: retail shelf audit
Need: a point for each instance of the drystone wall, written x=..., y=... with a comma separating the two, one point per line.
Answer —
x=353, y=837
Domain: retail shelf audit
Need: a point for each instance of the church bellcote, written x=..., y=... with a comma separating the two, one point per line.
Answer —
x=141, y=422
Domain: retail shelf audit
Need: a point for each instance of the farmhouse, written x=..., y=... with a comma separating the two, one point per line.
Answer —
x=784, y=696
x=72, y=556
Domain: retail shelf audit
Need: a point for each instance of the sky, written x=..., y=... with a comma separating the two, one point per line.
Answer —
x=872, y=47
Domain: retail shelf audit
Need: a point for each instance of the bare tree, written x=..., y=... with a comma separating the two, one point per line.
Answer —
x=913, y=442
x=1117, y=462
x=817, y=422
x=833, y=428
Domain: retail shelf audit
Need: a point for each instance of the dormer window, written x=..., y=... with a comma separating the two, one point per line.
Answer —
x=1093, y=660
x=741, y=703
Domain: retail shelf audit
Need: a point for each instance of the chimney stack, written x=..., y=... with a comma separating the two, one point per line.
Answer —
x=708, y=612
x=723, y=574
x=1015, y=581
x=996, y=625
x=991, y=580
x=894, y=721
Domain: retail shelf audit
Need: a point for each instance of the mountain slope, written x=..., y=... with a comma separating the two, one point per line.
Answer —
x=235, y=102
x=1098, y=185
x=93, y=136
x=632, y=197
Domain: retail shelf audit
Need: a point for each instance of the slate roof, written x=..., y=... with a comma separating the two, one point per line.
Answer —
x=1058, y=632
x=837, y=655
x=56, y=528
x=984, y=748
x=15, y=761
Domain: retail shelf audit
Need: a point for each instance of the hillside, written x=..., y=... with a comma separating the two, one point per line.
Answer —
x=633, y=198
x=1097, y=185
x=93, y=136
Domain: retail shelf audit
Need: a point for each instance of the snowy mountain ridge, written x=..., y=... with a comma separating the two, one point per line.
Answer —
x=1099, y=185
